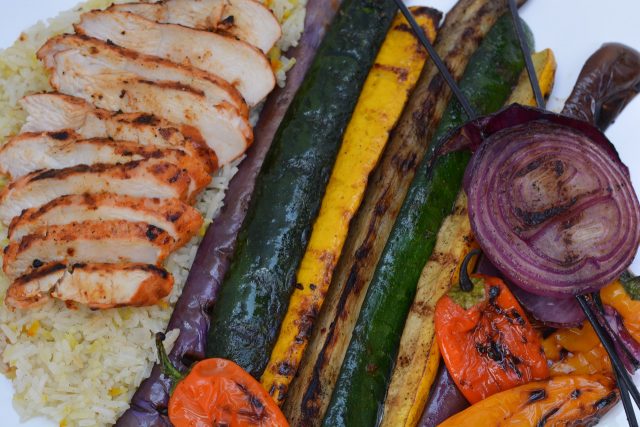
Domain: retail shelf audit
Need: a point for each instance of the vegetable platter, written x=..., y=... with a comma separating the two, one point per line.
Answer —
x=253, y=310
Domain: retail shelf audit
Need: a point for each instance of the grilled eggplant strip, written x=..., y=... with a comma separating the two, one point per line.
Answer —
x=239, y=63
x=225, y=131
x=145, y=178
x=91, y=241
x=248, y=20
x=27, y=153
x=180, y=220
x=108, y=58
x=55, y=112
x=464, y=27
x=213, y=257
x=98, y=286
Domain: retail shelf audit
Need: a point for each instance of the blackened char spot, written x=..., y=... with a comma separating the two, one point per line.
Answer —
x=605, y=401
x=60, y=136
x=536, y=395
x=533, y=218
x=545, y=417
x=404, y=27
x=153, y=232
x=228, y=21
x=576, y=393
x=285, y=368
x=144, y=119
x=494, y=292
x=531, y=166
x=173, y=217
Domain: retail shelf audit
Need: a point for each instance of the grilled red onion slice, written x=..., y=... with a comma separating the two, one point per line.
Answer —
x=550, y=201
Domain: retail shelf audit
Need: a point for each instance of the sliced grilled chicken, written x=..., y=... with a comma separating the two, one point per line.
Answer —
x=144, y=178
x=84, y=242
x=180, y=220
x=98, y=286
x=55, y=112
x=33, y=289
x=108, y=59
x=242, y=65
x=103, y=286
x=225, y=131
x=30, y=152
x=247, y=20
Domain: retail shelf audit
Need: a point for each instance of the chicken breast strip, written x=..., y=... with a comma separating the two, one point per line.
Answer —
x=99, y=286
x=224, y=130
x=180, y=220
x=145, y=178
x=239, y=63
x=30, y=152
x=53, y=112
x=84, y=242
x=248, y=20
x=109, y=59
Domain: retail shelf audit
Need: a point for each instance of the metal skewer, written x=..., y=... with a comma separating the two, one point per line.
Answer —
x=440, y=65
x=528, y=62
x=624, y=381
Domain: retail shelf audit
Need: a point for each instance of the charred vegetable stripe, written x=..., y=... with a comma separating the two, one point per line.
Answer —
x=383, y=97
x=414, y=372
x=465, y=26
x=362, y=384
x=254, y=297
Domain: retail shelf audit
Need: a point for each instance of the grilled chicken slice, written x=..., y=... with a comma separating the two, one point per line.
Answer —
x=144, y=178
x=55, y=112
x=225, y=131
x=103, y=286
x=33, y=289
x=98, y=286
x=83, y=242
x=180, y=220
x=242, y=65
x=247, y=20
x=30, y=152
x=109, y=59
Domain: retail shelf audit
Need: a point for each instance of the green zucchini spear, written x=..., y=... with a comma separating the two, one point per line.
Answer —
x=360, y=390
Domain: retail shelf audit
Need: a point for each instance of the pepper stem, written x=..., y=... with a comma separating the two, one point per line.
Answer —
x=465, y=281
x=167, y=367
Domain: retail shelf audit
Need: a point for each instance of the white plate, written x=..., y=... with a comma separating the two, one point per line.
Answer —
x=572, y=28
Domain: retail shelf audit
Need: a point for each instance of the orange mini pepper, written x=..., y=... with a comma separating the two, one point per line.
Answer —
x=218, y=392
x=486, y=340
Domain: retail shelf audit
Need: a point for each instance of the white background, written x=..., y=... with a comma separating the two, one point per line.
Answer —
x=572, y=28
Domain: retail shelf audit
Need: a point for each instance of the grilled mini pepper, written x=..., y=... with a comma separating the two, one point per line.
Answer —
x=218, y=392
x=486, y=340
